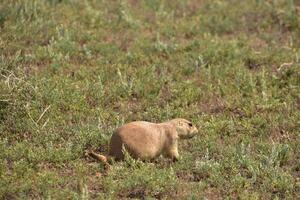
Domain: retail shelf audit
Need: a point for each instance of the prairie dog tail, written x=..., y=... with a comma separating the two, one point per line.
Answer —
x=99, y=157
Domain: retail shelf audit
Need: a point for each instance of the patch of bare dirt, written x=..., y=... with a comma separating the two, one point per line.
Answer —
x=252, y=63
x=213, y=106
x=256, y=44
x=212, y=194
x=136, y=193
x=191, y=176
x=162, y=163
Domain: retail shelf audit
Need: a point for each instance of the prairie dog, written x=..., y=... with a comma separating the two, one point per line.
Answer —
x=145, y=140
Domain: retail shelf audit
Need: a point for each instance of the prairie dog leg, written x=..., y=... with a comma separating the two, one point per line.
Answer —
x=172, y=152
x=174, y=155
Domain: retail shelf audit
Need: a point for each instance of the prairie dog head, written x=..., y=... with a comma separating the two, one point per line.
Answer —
x=184, y=128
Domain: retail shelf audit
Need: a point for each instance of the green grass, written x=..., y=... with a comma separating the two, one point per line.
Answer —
x=72, y=71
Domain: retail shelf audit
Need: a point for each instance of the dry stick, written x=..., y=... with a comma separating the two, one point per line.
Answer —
x=36, y=122
x=45, y=123
x=28, y=113
x=43, y=114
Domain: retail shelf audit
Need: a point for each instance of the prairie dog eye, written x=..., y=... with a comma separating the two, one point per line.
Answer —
x=190, y=124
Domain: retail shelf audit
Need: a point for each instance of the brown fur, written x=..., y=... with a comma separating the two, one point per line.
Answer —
x=146, y=140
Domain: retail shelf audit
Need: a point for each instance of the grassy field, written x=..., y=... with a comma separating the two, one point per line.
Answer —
x=71, y=71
